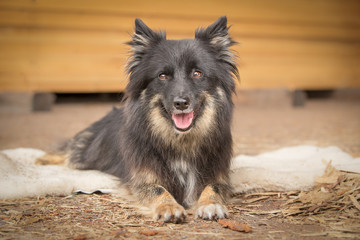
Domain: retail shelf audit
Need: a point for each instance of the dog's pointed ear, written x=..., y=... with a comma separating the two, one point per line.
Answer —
x=144, y=35
x=216, y=35
x=143, y=39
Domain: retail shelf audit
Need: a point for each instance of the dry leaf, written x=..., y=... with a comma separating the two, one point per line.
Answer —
x=330, y=175
x=80, y=237
x=121, y=233
x=234, y=225
x=30, y=220
x=148, y=232
x=355, y=202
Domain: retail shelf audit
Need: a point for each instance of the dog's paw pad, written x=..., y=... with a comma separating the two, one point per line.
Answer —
x=212, y=211
x=170, y=212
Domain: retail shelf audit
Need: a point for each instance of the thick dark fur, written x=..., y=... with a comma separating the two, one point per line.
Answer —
x=141, y=144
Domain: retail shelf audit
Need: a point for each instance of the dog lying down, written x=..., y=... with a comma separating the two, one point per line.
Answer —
x=170, y=142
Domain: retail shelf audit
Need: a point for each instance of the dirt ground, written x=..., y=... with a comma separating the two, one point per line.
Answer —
x=261, y=122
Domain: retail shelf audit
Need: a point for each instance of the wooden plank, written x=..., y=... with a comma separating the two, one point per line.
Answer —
x=275, y=67
x=299, y=64
x=123, y=24
x=113, y=43
x=44, y=58
x=330, y=11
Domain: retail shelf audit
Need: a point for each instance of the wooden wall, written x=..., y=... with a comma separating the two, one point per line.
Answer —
x=78, y=45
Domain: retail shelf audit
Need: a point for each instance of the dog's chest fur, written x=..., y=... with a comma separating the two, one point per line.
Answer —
x=186, y=174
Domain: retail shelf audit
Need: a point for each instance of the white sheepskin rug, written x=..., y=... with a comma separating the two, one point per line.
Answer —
x=287, y=169
x=20, y=177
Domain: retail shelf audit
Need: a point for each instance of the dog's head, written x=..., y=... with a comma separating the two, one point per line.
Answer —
x=182, y=78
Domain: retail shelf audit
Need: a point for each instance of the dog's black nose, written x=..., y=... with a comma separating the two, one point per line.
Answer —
x=181, y=103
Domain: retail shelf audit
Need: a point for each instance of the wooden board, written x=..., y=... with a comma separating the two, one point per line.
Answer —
x=79, y=46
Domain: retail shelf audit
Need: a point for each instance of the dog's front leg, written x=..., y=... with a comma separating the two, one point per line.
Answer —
x=211, y=204
x=163, y=205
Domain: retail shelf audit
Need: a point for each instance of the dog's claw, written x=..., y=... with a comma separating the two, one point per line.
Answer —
x=212, y=211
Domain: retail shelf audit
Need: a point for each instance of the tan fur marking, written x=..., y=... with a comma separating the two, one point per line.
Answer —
x=162, y=204
x=189, y=141
x=160, y=126
x=211, y=205
x=208, y=196
x=51, y=159
x=166, y=208
x=206, y=121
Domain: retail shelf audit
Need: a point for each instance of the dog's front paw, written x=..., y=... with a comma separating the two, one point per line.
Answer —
x=212, y=211
x=170, y=212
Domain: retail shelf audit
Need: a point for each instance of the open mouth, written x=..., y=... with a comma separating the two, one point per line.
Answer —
x=183, y=121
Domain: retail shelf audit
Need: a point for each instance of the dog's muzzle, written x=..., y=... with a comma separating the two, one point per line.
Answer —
x=183, y=114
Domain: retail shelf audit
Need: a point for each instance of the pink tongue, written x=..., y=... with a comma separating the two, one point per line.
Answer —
x=183, y=120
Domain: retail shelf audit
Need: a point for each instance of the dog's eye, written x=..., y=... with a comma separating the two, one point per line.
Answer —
x=197, y=74
x=163, y=76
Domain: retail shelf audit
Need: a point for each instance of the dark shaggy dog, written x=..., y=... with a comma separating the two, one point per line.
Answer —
x=170, y=143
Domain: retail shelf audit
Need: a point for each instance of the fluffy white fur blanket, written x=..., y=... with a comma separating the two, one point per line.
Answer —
x=288, y=169
x=293, y=168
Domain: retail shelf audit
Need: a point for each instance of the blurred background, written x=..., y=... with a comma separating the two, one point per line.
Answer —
x=291, y=52
x=78, y=46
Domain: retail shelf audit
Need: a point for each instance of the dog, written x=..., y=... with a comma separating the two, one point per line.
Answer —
x=170, y=142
